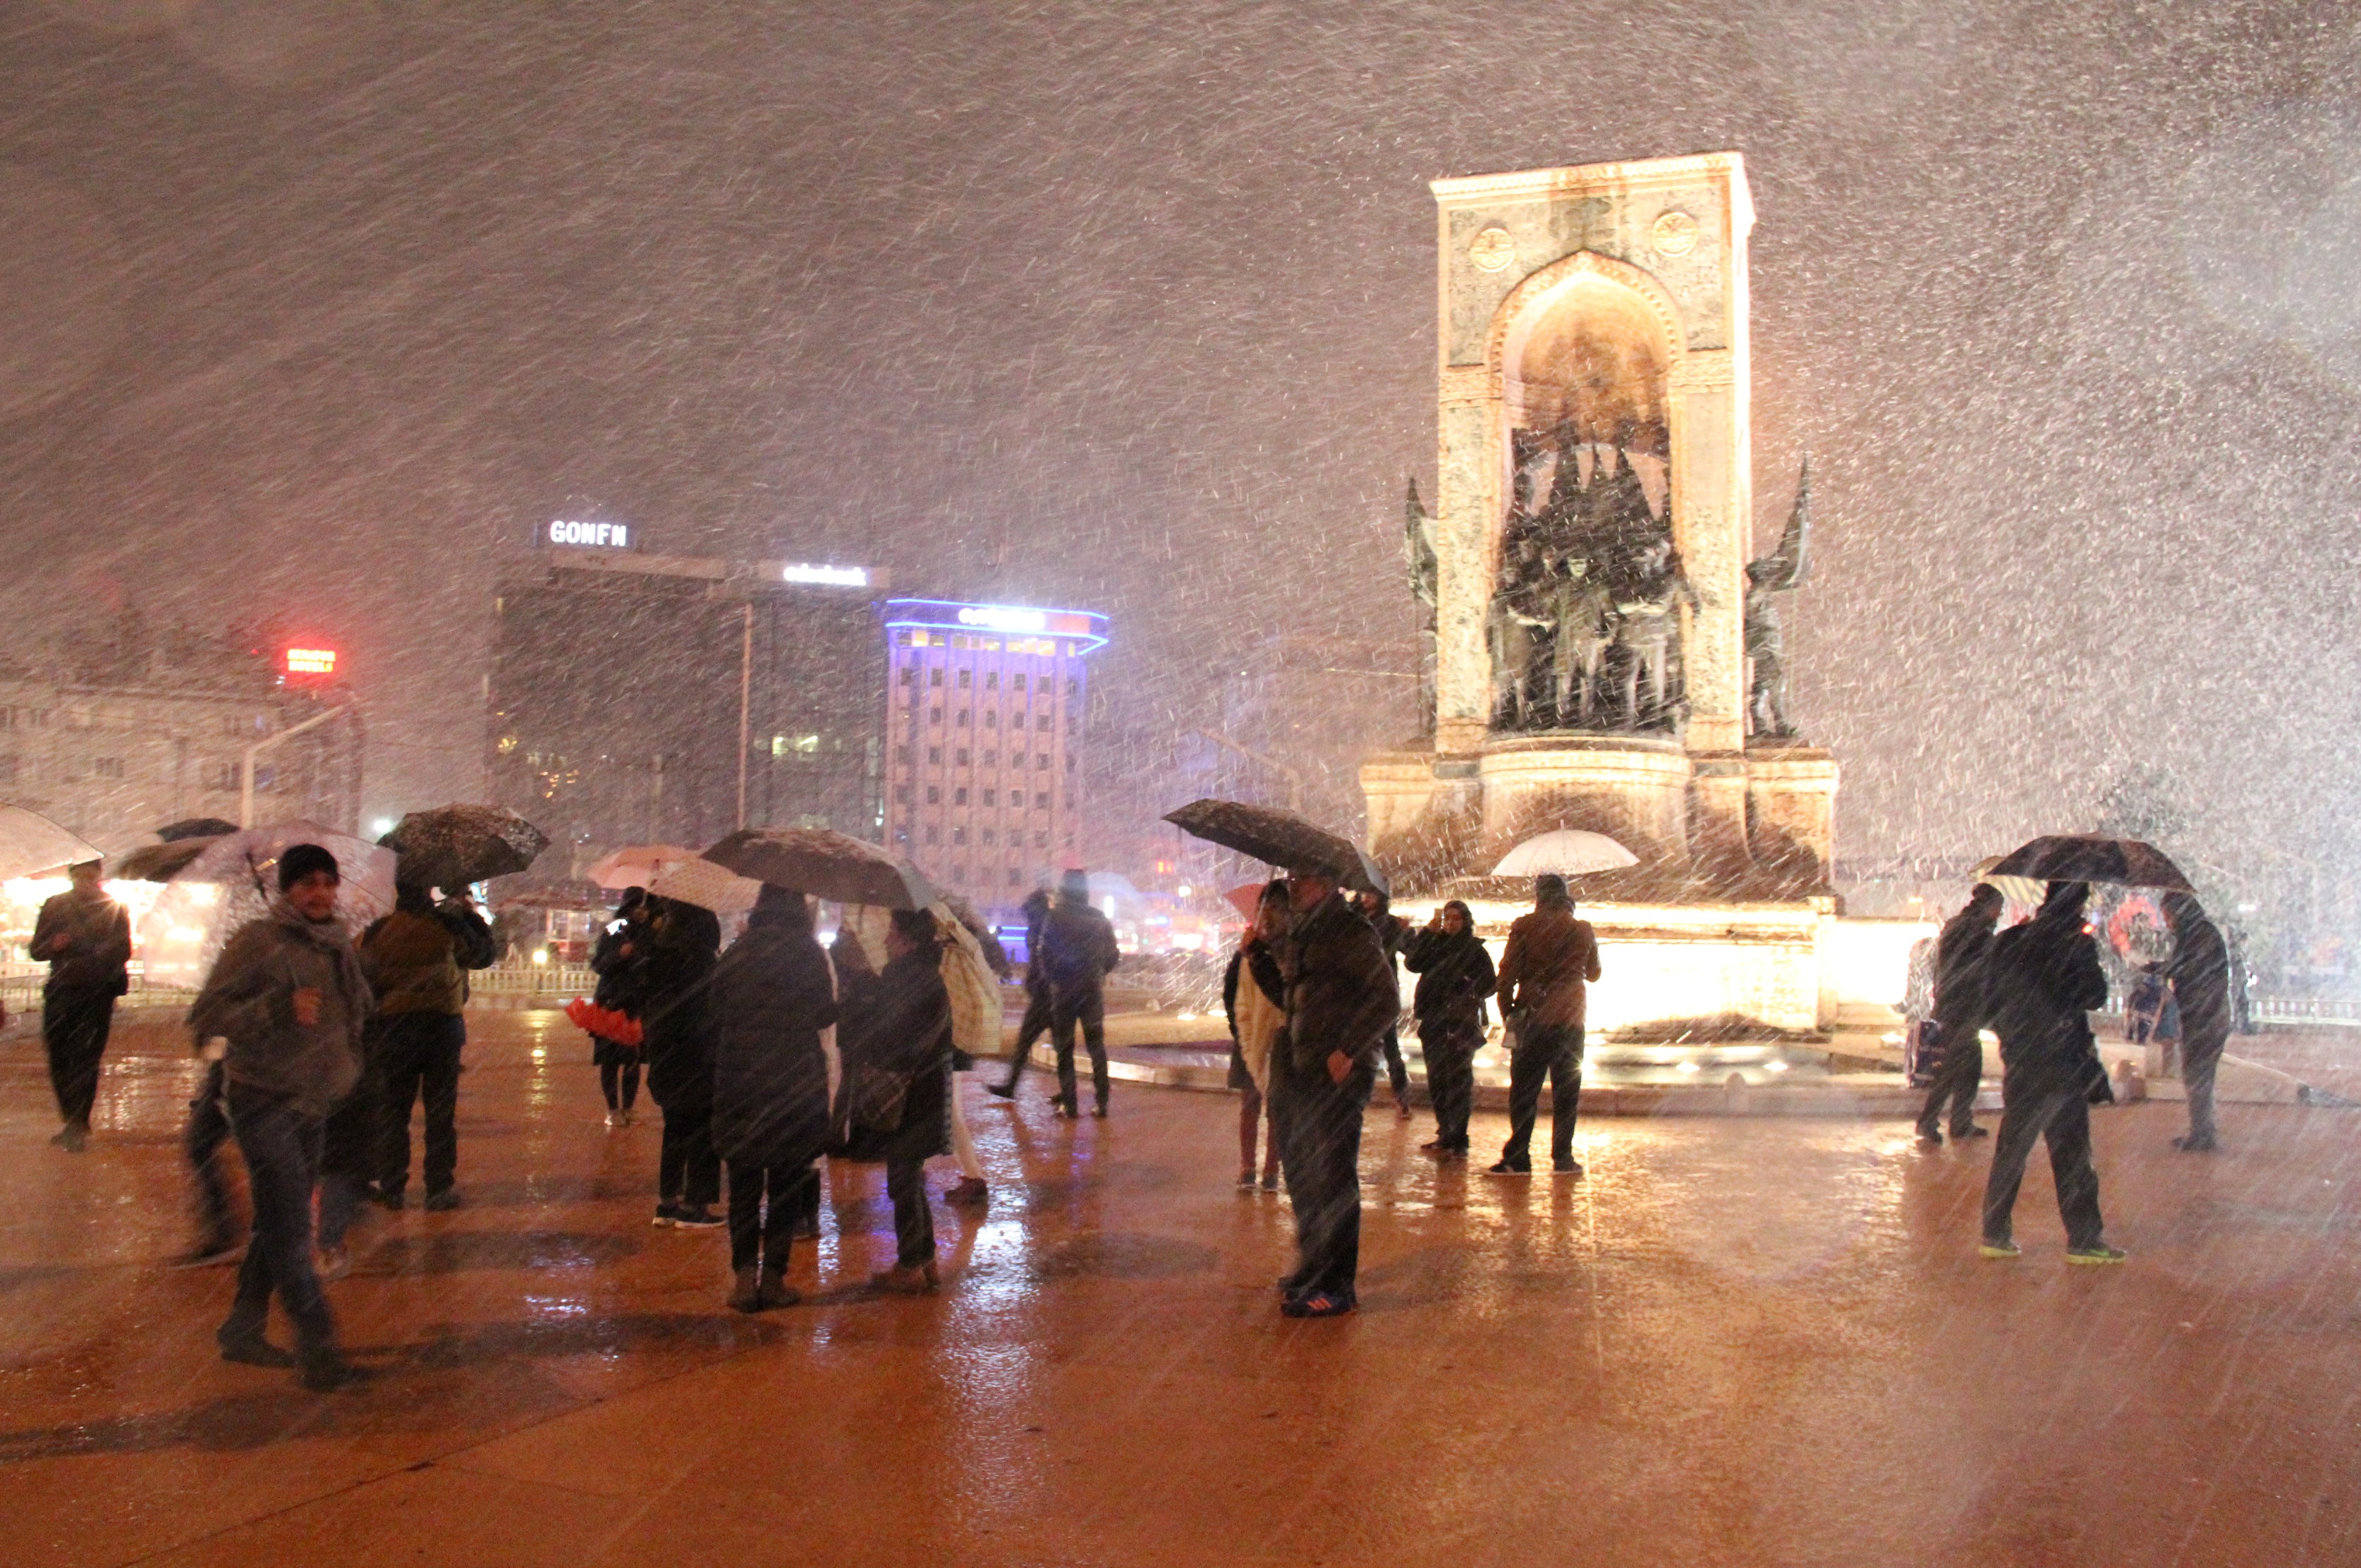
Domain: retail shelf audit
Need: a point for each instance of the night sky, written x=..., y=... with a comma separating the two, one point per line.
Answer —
x=315, y=310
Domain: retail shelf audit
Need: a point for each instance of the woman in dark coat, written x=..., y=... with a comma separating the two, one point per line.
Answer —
x=2041, y=981
x=1454, y=975
x=772, y=997
x=899, y=1022
x=683, y=946
x=621, y=963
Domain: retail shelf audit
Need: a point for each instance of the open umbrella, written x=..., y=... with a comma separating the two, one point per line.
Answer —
x=233, y=879
x=160, y=862
x=635, y=865
x=2025, y=890
x=2089, y=857
x=700, y=881
x=825, y=864
x=1567, y=851
x=195, y=827
x=452, y=846
x=1280, y=838
x=30, y=842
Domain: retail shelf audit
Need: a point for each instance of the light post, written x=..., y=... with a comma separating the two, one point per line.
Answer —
x=246, y=762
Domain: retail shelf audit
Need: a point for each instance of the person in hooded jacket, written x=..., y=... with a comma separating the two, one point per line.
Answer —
x=418, y=958
x=1454, y=975
x=772, y=995
x=1078, y=951
x=620, y=962
x=2200, y=973
x=2042, y=981
x=1960, y=954
x=898, y=1022
x=684, y=944
x=288, y=995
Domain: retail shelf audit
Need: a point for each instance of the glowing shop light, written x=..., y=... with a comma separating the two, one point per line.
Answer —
x=311, y=661
x=826, y=576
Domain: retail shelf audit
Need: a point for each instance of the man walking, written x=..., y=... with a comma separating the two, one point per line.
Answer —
x=1545, y=973
x=1037, y=994
x=417, y=958
x=2044, y=978
x=1077, y=950
x=1960, y=954
x=86, y=938
x=289, y=996
x=1340, y=996
x=2199, y=972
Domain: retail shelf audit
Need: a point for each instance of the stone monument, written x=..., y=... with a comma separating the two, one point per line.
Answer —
x=1605, y=650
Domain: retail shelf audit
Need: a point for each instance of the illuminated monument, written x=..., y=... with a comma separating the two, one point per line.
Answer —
x=1596, y=662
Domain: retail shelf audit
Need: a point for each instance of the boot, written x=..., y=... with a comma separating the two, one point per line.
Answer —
x=746, y=1295
x=905, y=1279
x=775, y=1290
x=321, y=1368
x=243, y=1342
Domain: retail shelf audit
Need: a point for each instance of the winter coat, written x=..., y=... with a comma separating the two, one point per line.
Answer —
x=87, y=937
x=413, y=961
x=250, y=998
x=899, y=1020
x=1962, y=955
x=772, y=995
x=1545, y=968
x=2199, y=972
x=2040, y=983
x=974, y=991
x=1257, y=1019
x=1077, y=952
x=623, y=977
x=1454, y=975
x=1339, y=992
x=678, y=1017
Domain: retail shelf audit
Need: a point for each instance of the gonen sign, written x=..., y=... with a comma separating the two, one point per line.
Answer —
x=596, y=536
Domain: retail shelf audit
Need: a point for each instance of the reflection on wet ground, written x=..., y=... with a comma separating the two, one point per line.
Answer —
x=1756, y=1341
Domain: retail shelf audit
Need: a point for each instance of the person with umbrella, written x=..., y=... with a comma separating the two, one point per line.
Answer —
x=1340, y=995
x=2200, y=973
x=86, y=936
x=1454, y=975
x=288, y=995
x=620, y=962
x=1079, y=951
x=1545, y=971
x=1257, y=1020
x=772, y=995
x=2042, y=979
x=1961, y=952
x=895, y=1038
x=417, y=958
x=684, y=946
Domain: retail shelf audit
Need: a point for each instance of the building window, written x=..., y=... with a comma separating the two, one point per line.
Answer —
x=992, y=718
x=1040, y=840
x=934, y=677
x=934, y=756
x=221, y=775
x=902, y=793
x=959, y=795
x=7, y=718
x=992, y=680
x=7, y=770
x=1042, y=760
x=935, y=715
x=1016, y=682
x=963, y=717
x=1073, y=686
x=1016, y=877
x=1042, y=800
x=935, y=795
x=990, y=837
x=902, y=755
x=1041, y=721
x=910, y=675
x=966, y=679
x=107, y=768
x=934, y=835
x=963, y=756
x=992, y=758
x=992, y=797
x=959, y=836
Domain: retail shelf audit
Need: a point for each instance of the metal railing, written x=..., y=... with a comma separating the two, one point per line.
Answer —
x=522, y=977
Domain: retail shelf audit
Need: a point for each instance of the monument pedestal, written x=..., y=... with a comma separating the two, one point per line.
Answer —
x=1633, y=788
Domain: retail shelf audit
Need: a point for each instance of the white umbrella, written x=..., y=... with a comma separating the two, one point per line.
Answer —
x=234, y=880
x=634, y=866
x=30, y=842
x=1567, y=851
x=707, y=886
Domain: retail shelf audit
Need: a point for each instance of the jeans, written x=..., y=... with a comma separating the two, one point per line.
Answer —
x=281, y=1146
x=687, y=1170
x=2063, y=1116
x=419, y=1055
x=1397, y=1069
x=1958, y=1076
x=764, y=1203
x=1089, y=1010
x=200, y=1141
x=1450, y=1047
x=1036, y=1025
x=2197, y=1081
x=914, y=1222
x=74, y=1027
x=1555, y=1052
x=1319, y=1127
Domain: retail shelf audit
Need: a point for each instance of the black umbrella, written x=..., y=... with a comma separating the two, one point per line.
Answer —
x=162, y=863
x=452, y=846
x=825, y=864
x=194, y=827
x=1280, y=838
x=2089, y=857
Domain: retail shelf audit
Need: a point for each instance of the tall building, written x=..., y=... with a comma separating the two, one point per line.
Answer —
x=984, y=733
x=643, y=699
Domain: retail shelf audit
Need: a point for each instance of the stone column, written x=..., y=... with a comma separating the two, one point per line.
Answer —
x=1466, y=499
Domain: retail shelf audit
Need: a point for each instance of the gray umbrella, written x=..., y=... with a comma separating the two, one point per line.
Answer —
x=2089, y=857
x=825, y=864
x=1280, y=838
x=162, y=863
x=452, y=846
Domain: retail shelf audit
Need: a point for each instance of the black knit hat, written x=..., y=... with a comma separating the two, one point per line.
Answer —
x=300, y=860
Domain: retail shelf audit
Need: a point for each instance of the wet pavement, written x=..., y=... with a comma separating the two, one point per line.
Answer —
x=1736, y=1341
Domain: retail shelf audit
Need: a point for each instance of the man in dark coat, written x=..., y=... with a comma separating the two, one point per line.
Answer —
x=2199, y=972
x=1079, y=951
x=1392, y=931
x=418, y=958
x=1545, y=973
x=2042, y=981
x=1037, y=1019
x=1960, y=954
x=773, y=997
x=86, y=936
x=898, y=1023
x=1340, y=996
x=1454, y=975
x=683, y=946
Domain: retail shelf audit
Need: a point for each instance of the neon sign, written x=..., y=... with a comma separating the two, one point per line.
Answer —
x=826, y=576
x=598, y=535
x=1000, y=617
x=311, y=661
x=1086, y=627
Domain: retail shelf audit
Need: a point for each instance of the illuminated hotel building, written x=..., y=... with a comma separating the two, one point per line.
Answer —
x=983, y=723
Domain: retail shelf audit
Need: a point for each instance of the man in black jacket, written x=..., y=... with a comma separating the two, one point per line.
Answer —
x=1037, y=1016
x=1454, y=975
x=1078, y=952
x=1960, y=954
x=1392, y=931
x=2043, y=979
x=2199, y=972
x=1340, y=996
x=86, y=938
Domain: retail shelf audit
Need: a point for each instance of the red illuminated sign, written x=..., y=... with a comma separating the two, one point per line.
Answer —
x=311, y=661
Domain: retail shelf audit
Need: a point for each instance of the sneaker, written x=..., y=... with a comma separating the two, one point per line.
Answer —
x=971, y=1190
x=624, y=1117
x=1001, y=1090
x=1270, y=1182
x=2002, y=1249
x=252, y=1350
x=1402, y=1107
x=443, y=1202
x=614, y=1120
x=1319, y=1304
x=1063, y=1110
x=336, y=1262
x=1099, y=1110
x=695, y=1217
x=1970, y=1130
x=2095, y=1255
x=1246, y=1181
x=903, y=1280
x=667, y=1216
x=1505, y=1168
x=776, y=1292
x=2195, y=1146
x=746, y=1291
x=1566, y=1165
x=1930, y=1136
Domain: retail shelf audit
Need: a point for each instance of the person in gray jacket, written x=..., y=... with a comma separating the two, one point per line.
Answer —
x=289, y=996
